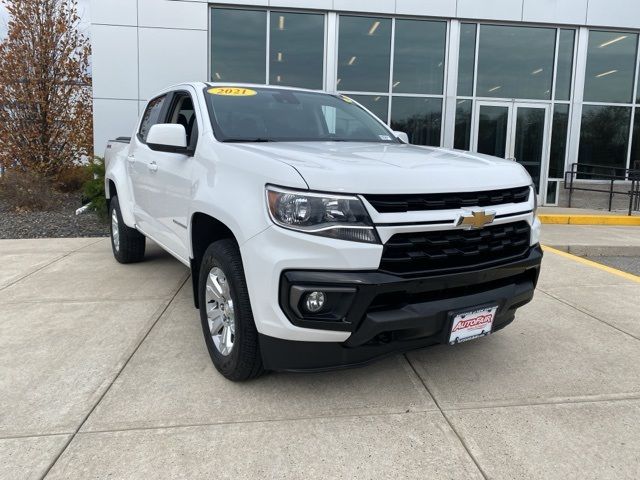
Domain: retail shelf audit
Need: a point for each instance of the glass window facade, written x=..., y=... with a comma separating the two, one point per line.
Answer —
x=420, y=118
x=515, y=62
x=462, y=137
x=296, y=56
x=466, y=59
x=376, y=104
x=397, y=67
x=635, y=145
x=418, y=65
x=564, y=68
x=238, y=42
x=364, y=54
x=604, y=135
x=559, y=140
x=611, y=62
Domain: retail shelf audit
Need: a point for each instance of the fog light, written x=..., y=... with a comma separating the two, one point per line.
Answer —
x=314, y=301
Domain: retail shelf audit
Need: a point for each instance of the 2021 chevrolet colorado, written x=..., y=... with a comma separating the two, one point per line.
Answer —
x=317, y=237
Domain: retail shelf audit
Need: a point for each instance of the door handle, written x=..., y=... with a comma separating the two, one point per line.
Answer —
x=131, y=159
x=153, y=167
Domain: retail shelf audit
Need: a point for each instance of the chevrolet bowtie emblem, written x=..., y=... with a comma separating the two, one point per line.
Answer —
x=477, y=219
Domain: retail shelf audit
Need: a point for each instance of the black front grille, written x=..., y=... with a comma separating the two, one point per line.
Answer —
x=453, y=250
x=443, y=201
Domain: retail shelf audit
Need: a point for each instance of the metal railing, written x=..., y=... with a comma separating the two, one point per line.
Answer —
x=608, y=174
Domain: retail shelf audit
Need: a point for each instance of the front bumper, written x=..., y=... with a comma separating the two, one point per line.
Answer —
x=389, y=313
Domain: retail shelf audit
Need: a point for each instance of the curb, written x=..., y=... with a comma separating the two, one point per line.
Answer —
x=591, y=263
x=620, y=220
x=598, y=250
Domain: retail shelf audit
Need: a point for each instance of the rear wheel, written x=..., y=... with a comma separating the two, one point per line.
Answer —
x=127, y=243
x=225, y=312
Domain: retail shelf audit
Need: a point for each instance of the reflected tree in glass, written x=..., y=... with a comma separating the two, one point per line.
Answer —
x=462, y=135
x=419, y=118
x=376, y=104
x=604, y=137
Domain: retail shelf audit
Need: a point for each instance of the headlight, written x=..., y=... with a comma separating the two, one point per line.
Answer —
x=535, y=198
x=335, y=216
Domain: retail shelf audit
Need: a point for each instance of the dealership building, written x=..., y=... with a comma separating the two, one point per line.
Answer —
x=545, y=82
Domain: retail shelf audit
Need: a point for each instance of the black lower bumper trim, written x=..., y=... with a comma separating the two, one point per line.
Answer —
x=392, y=314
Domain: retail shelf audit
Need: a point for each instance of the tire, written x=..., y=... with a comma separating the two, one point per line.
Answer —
x=127, y=243
x=229, y=329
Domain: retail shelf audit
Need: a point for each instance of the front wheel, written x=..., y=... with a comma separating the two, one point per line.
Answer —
x=225, y=312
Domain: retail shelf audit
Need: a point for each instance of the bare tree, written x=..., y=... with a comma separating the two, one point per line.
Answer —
x=45, y=87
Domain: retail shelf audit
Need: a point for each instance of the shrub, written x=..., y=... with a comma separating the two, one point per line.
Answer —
x=94, y=188
x=22, y=190
x=72, y=179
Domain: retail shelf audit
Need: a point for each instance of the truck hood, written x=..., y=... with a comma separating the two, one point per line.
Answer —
x=370, y=168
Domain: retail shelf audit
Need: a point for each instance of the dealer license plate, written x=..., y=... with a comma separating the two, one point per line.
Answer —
x=472, y=324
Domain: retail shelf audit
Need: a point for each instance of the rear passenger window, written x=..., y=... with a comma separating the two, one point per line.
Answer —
x=151, y=117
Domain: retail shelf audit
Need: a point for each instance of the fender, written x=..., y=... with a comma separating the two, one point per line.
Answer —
x=117, y=173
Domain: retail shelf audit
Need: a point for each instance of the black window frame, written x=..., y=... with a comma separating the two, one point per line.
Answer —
x=174, y=97
x=161, y=116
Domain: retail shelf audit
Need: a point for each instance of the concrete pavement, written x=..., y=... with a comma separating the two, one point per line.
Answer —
x=104, y=374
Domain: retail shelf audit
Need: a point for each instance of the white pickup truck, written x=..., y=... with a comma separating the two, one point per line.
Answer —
x=317, y=237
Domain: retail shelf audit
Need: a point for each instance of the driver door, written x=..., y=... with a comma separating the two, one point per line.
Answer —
x=169, y=183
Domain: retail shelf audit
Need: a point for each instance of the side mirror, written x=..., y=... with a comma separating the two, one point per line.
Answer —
x=402, y=136
x=168, y=137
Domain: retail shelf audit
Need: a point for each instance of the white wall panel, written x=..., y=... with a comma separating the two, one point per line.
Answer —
x=241, y=2
x=111, y=119
x=169, y=56
x=555, y=11
x=172, y=14
x=433, y=8
x=614, y=13
x=114, y=12
x=316, y=4
x=115, y=61
x=380, y=6
x=490, y=9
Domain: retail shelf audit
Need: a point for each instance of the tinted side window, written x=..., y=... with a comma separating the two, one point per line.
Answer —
x=151, y=116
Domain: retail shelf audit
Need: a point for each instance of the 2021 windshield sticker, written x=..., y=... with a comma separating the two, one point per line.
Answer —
x=232, y=91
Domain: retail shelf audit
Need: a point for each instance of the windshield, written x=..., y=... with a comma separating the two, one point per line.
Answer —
x=272, y=115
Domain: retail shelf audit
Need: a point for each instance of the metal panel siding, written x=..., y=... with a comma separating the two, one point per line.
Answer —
x=170, y=56
x=172, y=14
x=111, y=119
x=379, y=6
x=555, y=11
x=115, y=59
x=614, y=13
x=114, y=12
x=315, y=4
x=433, y=8
x=491, y=9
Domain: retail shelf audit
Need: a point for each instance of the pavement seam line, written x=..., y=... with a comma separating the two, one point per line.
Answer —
x=451, y=426
x=57, y=259
x=113, y=380
x=541, y=403
x=589, y=314
x=37, y=435
x=261, y=420
x=591, y=263
x=567, y=401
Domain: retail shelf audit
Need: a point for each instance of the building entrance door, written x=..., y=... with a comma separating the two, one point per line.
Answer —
x=515, y=130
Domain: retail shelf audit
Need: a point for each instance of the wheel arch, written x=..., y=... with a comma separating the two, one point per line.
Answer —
x=204, y=230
